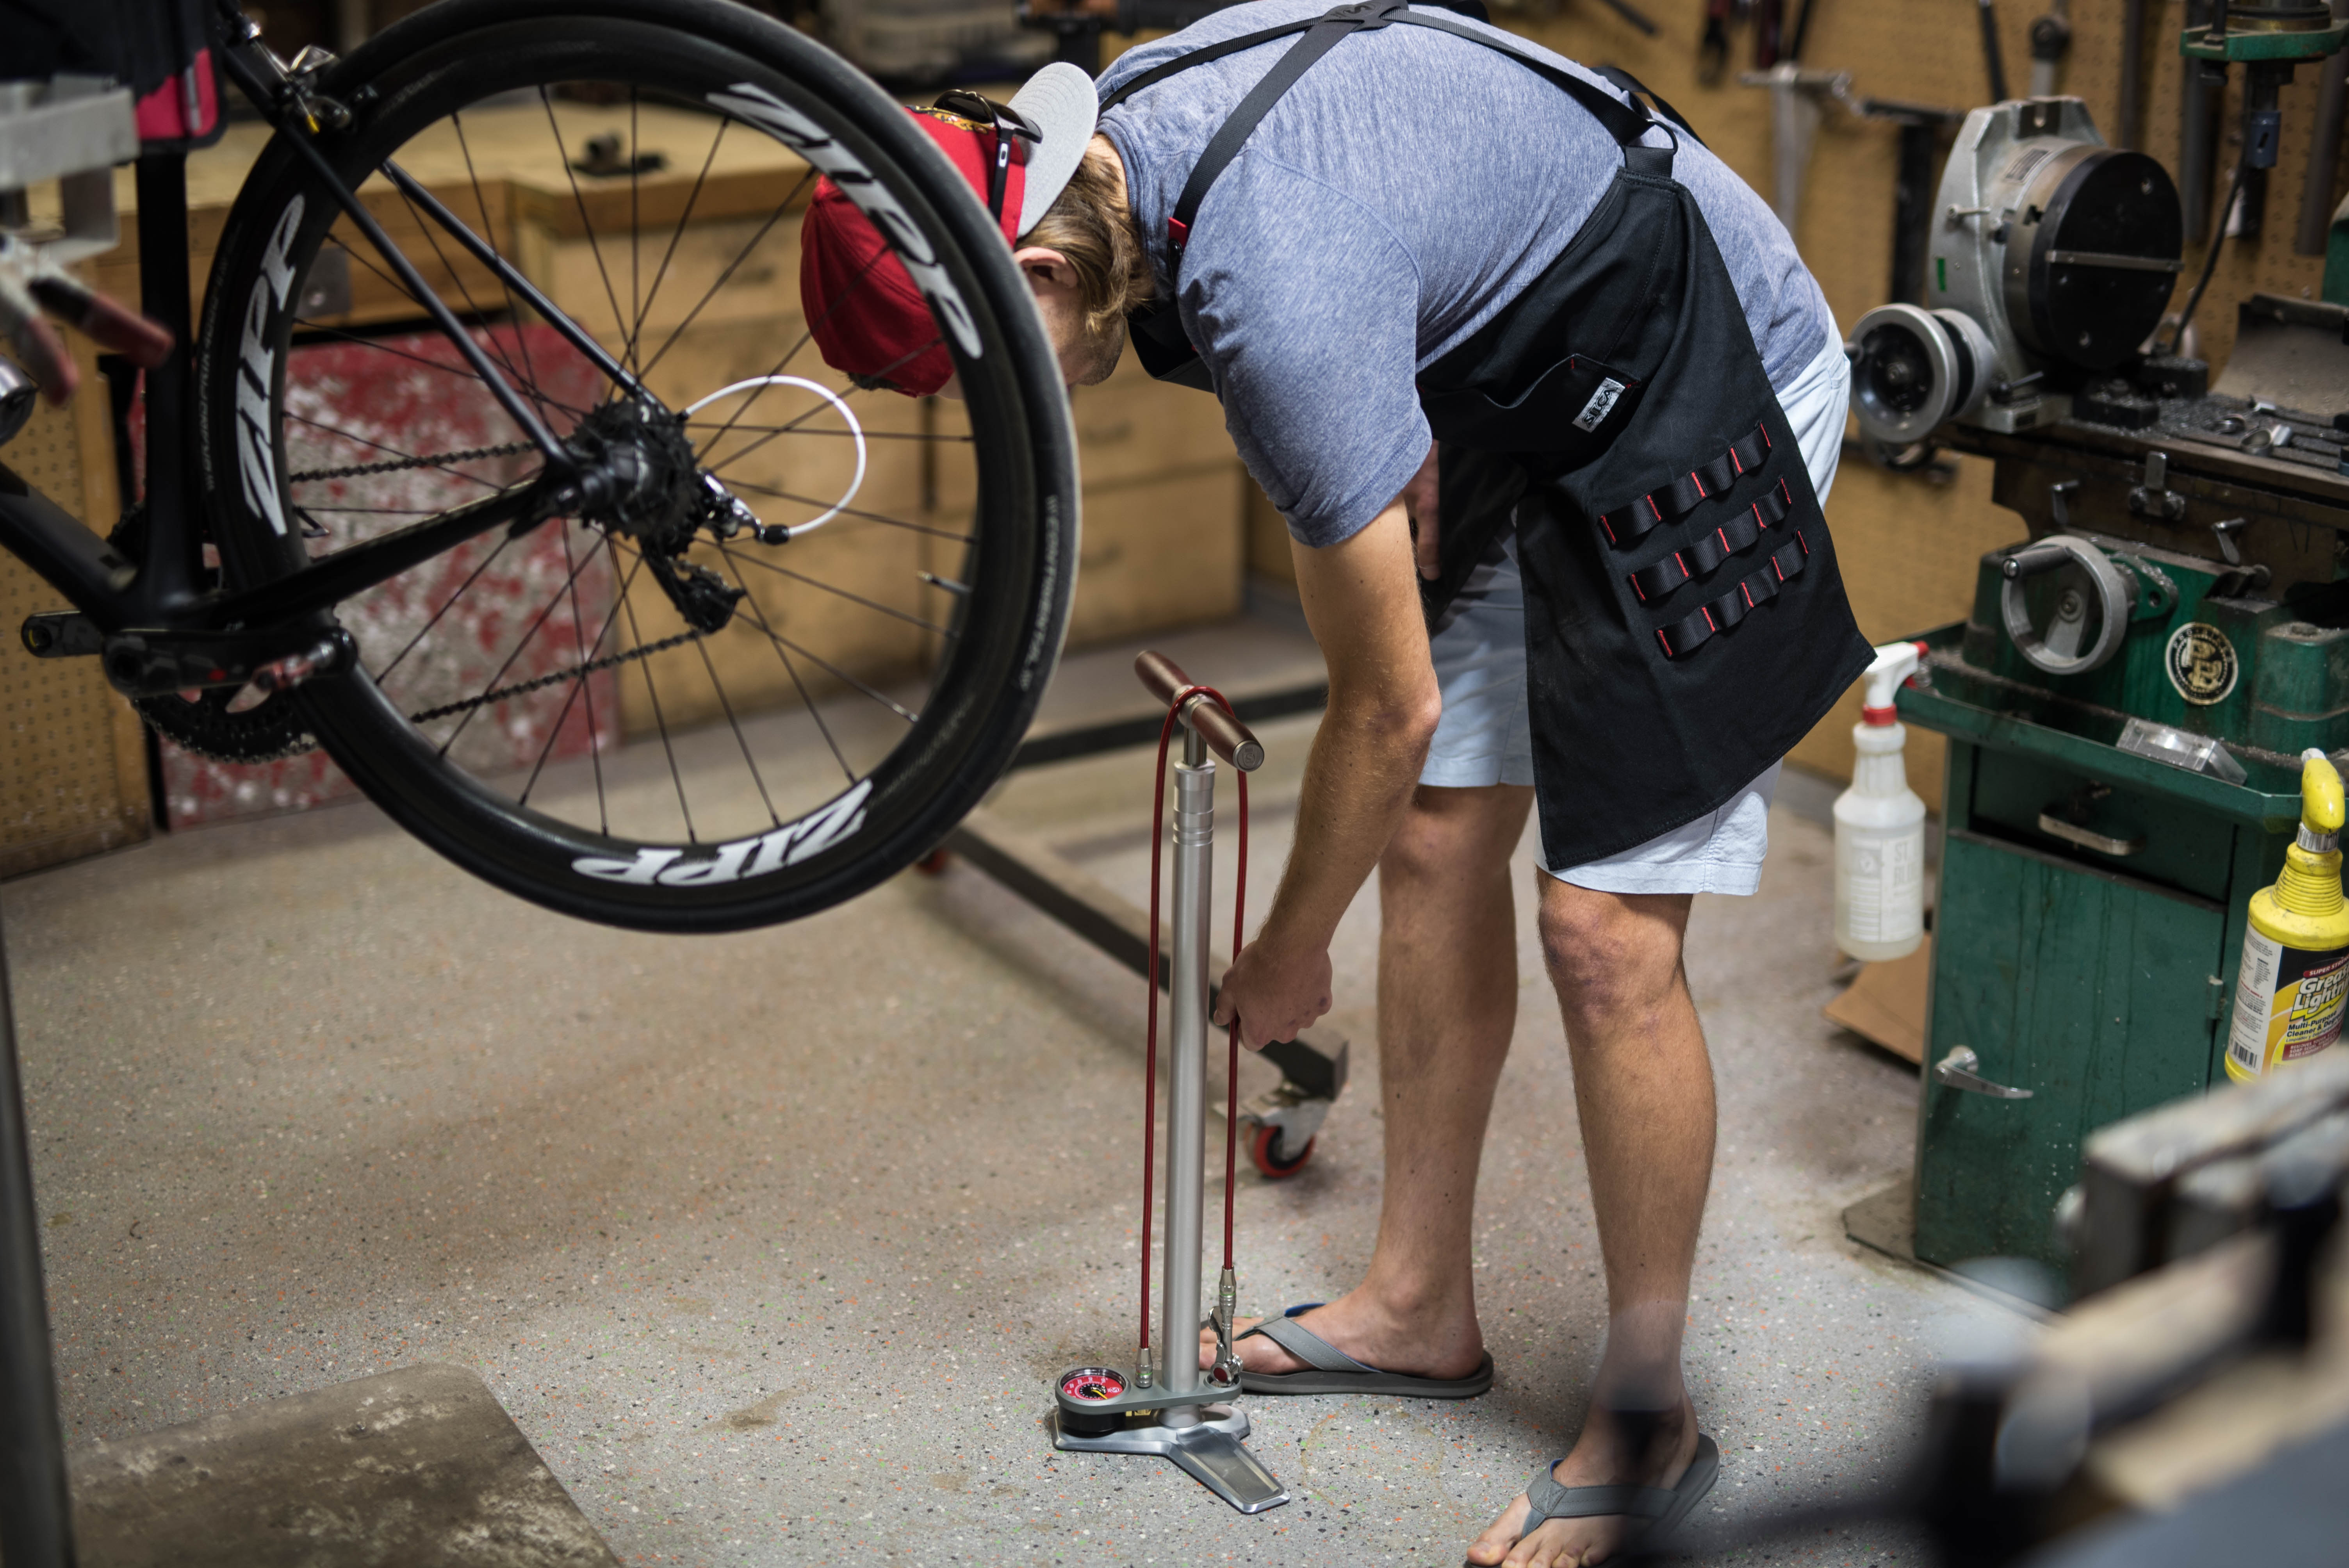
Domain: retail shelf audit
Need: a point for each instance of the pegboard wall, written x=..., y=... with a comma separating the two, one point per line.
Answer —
x=1908, y=547
x=72, y=762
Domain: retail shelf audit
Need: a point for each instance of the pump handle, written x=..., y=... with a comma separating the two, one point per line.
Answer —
x=1227, y=736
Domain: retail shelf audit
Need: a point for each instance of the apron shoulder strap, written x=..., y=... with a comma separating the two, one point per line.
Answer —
x=1200, y=57
x=1632, y=84
x=1320, y=38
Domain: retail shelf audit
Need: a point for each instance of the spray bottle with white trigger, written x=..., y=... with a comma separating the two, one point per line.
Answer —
x=1879, y=825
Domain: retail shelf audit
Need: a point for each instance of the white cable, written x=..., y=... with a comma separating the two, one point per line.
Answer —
x=829, y=395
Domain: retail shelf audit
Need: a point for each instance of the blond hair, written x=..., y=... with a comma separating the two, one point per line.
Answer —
x=1089, y=223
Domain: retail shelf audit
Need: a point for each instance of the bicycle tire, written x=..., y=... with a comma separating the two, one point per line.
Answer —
x=1000, y=635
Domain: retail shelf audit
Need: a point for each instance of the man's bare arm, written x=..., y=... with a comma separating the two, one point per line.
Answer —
x=1362, y=600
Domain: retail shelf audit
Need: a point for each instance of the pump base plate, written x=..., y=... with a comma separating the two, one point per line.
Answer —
x=1213, y=1453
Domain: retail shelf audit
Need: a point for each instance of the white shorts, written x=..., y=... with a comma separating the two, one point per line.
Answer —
x=1484, y=738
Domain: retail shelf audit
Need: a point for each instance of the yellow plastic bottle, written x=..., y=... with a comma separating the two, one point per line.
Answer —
x=2295, y=972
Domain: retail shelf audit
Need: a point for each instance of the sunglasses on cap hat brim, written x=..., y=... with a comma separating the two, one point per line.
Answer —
x=1013, y=132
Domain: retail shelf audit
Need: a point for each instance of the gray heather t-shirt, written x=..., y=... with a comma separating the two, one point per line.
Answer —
x=1403, y=193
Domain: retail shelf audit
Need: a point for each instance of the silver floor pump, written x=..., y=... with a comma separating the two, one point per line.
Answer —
x=1169, y=1410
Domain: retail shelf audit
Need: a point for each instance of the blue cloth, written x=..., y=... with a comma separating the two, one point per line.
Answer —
x=1406, y=189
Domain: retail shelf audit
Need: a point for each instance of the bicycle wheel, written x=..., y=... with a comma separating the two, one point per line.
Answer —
x=645, y=716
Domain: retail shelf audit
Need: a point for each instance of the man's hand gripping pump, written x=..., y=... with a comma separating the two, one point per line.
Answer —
x=1096, y=1409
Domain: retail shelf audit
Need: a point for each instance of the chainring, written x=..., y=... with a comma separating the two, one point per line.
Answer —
x=264, y=732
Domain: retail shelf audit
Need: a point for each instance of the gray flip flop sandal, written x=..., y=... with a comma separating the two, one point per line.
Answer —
x=1663, y=1508
x=1335, y=1372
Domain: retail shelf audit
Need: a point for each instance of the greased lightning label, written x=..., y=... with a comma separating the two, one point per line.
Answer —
x=2288, y=1005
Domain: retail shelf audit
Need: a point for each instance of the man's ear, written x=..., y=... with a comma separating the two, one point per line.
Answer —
x=1048, y=272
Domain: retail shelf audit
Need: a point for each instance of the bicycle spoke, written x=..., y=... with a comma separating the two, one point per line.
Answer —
x=744, y=254
x=594, y=736
x=487, y=562
x=498, y=675
x=636, y=225
x=578, y=691
x=406, y=293
x=782, y=642
x=628, y=344
x=489, y=234
x=676, y=235
x=850, y=511
x=718, y=686
x=462, y=372
x=869, y=435
x=660, y=720
x=417, y=457
x=853, y=598
x=804, y=338
x=791, y=670
x=489, y=340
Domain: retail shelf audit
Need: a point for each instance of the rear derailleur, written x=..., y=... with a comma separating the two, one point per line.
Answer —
x=639, y=478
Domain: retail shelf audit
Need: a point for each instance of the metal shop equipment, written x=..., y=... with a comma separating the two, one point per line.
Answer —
x=2129, y=696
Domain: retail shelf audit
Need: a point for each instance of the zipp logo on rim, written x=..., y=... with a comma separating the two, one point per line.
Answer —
x=256, y=447
x=813, y=142
x=744, y=857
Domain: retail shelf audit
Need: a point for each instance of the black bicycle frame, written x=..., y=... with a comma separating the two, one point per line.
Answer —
x=162, y=590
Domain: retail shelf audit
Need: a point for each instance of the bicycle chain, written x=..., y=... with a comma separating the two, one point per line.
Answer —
x=575, y=673
x=397, y=465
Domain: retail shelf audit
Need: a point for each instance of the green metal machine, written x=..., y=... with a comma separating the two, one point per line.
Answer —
x=2127, y=700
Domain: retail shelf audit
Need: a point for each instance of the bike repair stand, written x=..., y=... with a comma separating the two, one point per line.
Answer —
x=1097, y=1410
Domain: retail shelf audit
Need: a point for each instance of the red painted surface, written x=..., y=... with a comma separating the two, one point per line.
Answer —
x=349, y=404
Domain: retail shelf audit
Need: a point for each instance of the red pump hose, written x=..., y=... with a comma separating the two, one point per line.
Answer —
x=1150, y=1034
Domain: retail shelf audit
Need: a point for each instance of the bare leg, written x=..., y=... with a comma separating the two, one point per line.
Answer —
x=1644, y=1089
x=1447, y=1004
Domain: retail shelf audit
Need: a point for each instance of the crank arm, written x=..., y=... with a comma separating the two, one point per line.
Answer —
x=156, y=662
x=62, y=634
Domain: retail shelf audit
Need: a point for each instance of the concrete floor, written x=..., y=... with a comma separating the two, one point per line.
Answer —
x=770, y=1242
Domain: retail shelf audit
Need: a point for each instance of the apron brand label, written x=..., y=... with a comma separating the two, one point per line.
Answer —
x=1602, y=403
x=2201, y=664
x=2288, y=1004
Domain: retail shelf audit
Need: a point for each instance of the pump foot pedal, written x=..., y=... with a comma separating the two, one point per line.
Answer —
x=1213, y=1453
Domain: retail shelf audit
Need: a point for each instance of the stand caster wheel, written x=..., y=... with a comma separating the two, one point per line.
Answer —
x=933, y=864
x=1265, y=1150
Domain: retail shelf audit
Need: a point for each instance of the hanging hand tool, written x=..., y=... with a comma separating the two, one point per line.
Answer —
x=2051, y=40
x=1796, y=96
x=1713, y=49
x=1768, y=16
x=1993, y=61
x=1922, y=130
x=1802, y=30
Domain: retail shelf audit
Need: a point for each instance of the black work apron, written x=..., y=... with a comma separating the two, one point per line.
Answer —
x=1685, y=622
